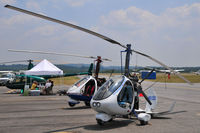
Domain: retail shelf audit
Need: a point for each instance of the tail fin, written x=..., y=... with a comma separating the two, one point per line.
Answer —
x=153, y=98
x=90, y=69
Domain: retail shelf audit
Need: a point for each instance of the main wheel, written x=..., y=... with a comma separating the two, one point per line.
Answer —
x=100, y=122
x=71, y=104
x=87, y=103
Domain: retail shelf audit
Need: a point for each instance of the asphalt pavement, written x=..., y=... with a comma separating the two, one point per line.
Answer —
x=47, y=114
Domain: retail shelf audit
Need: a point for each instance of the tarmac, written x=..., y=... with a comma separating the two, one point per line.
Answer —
x=52, y=114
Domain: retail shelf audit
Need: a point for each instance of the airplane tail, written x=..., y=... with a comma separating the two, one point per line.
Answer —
x=90, y=69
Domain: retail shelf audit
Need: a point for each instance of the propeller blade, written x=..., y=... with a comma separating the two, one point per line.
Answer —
x=145, y=96
x=165, y=66
x=66, y=24
x=54, y=53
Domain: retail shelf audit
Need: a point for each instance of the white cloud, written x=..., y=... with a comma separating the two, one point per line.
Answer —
x=76, y=3
x=8, y=1
x=47, y=30
x=172, y=34
x=32, y=5
x=18, y=19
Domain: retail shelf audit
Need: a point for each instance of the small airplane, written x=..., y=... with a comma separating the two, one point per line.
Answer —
x=116, y=97
x=168, y=71
x=197, y=72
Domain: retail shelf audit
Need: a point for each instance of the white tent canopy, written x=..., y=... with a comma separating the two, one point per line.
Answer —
x=44, y=68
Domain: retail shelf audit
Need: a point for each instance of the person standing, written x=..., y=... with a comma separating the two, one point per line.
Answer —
x=47, y=87
x=34, y=85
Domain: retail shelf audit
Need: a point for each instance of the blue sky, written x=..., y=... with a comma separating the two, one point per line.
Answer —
x=167, y=30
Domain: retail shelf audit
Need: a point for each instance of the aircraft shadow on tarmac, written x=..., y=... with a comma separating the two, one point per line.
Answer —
x=95, y=127
x=111, y=125
x=76, y=108
x=163, y=117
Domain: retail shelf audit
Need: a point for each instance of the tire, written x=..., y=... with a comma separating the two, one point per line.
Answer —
x=71, y=104
x=100, y=122
x=87, y=103
x=143, y=123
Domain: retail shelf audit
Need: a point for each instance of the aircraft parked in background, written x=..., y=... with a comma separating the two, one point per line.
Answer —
x=168, y=71
x=197, y=72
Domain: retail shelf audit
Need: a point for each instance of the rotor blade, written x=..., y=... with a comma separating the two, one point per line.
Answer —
x=165, y=66
x=13, y=61
x=66, y=24
x=106, y=59
x=54, y=53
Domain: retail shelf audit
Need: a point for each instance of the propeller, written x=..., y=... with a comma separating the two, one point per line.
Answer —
x=54, y=53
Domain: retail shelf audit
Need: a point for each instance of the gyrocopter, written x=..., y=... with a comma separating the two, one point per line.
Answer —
x=117, y=97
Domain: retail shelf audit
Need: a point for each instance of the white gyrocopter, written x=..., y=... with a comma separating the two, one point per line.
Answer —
x=109, y=101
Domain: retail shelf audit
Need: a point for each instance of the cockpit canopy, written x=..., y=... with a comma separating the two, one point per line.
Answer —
x=108, y=88
x=82, y=81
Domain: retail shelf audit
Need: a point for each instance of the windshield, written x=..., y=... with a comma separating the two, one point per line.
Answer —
x=108, y=88
x=81, y=82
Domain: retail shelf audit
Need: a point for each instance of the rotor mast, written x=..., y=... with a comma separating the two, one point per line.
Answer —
x=127, y=61
x=97, y=66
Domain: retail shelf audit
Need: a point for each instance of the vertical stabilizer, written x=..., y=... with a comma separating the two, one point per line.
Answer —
x=153, y=98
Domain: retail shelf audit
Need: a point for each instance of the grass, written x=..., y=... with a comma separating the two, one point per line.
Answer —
x=65, y=80
x=160, y=77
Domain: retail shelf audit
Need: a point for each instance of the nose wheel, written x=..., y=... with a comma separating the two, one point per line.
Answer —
x=87, y=103
x=143, y=123
x=71, y=104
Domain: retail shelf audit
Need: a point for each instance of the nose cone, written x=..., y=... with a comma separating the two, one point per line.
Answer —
x=96, y=105
x=73, y=90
